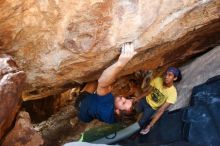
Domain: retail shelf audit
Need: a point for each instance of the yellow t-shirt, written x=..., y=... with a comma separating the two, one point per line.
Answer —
x=161, y=94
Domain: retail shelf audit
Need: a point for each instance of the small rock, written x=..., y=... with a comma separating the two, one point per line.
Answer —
x=23, y=134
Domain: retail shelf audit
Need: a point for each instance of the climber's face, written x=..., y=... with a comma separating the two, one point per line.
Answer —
x=169, y=78
x=123, y=104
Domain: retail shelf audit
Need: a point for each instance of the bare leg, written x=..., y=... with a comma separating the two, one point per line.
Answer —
x=90, y=87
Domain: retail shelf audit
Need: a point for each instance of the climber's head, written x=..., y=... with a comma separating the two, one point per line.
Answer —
x=171, y=75
x=123, y=104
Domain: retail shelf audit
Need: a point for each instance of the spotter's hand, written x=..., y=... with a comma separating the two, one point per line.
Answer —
x=145, y=130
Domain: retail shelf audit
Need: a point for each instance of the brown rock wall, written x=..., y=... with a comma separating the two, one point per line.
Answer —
x=23, y=134
x=58, y=43
x=11, y=84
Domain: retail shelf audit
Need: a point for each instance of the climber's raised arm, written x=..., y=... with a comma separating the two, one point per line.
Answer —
x=109, y=74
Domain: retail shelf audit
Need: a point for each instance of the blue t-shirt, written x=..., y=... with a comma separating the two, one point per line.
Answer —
x=98, y=107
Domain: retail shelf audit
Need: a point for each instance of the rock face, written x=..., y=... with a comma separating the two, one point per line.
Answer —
x=58, y=43
x=195, y=73
x=23, y=134
x=11, y=85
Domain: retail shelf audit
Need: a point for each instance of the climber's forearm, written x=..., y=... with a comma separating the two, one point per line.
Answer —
x=109, y=75
x=159, y=113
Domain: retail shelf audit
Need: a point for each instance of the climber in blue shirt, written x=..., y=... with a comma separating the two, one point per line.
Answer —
x=96, y=100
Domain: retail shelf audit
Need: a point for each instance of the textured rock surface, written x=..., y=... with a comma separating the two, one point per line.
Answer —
x=195, y=73
x=23, y=134
x=58, y=129
x=58, y=43
x=11, y=85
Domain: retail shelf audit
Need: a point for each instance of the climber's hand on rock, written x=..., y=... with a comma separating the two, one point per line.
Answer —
x=127, y=53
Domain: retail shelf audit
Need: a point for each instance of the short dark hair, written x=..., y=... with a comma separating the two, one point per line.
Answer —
x=179, y=77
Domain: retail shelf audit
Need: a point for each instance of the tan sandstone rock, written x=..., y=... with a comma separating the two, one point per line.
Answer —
x=58, y=43
x=11, y=85
x=23, y=134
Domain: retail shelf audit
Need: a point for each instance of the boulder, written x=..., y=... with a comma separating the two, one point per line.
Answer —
x=197, y=72
x=11, y=84
x=23, y=133
x=58, y=43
